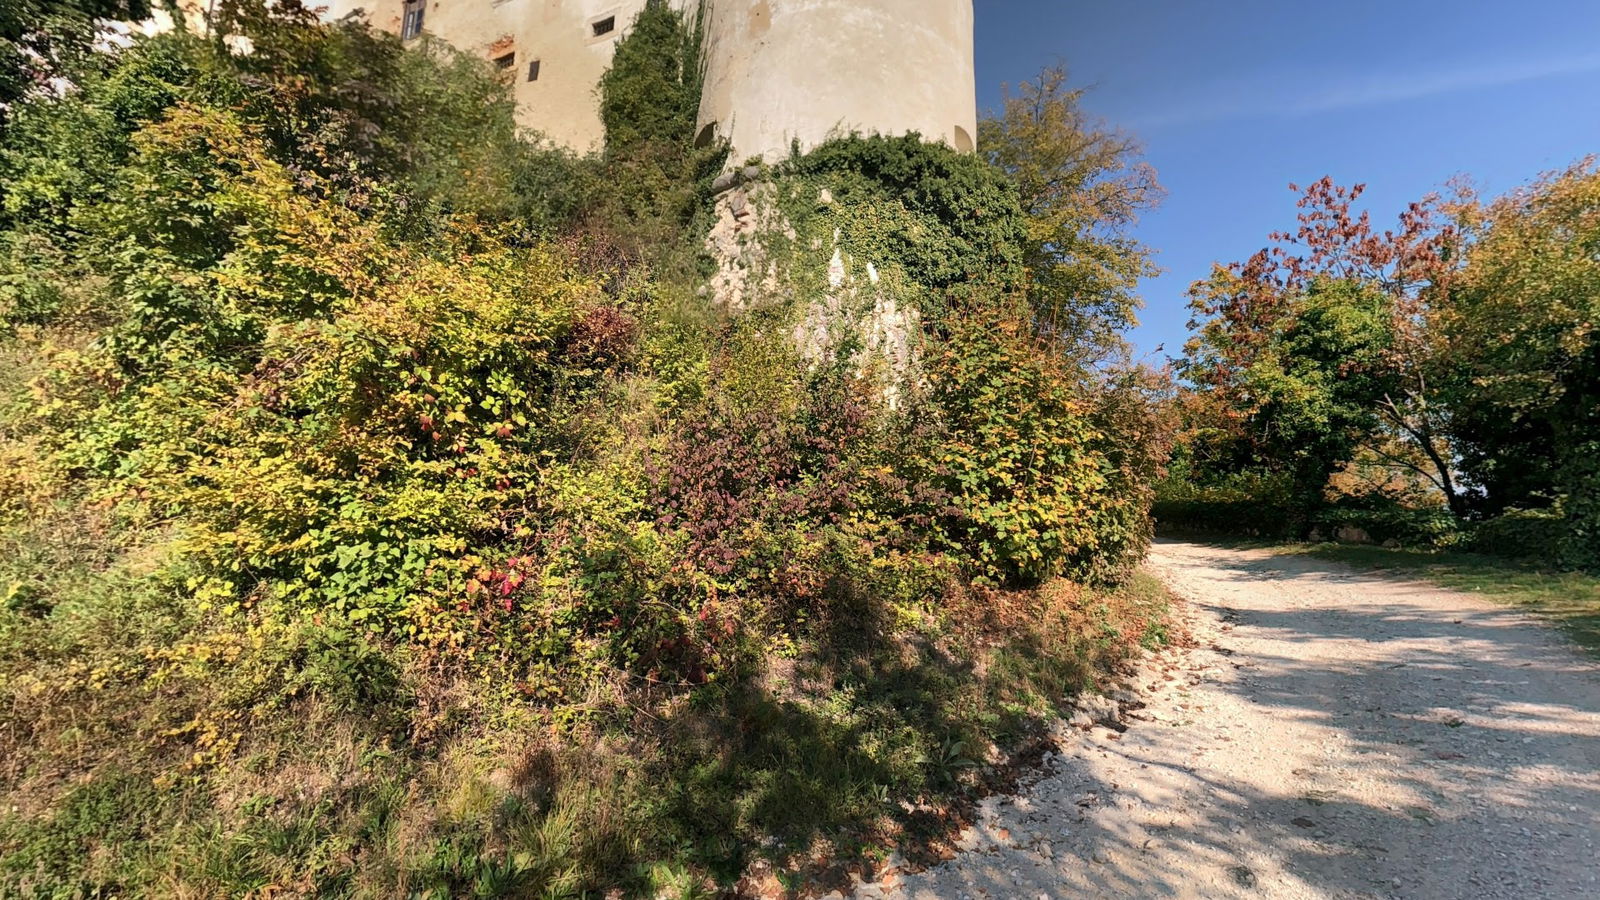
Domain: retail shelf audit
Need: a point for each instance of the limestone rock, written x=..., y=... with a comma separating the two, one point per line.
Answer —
x=1100, y=710
x=1351, y=534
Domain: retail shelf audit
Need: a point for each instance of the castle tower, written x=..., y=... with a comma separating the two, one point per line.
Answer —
x=779, y=71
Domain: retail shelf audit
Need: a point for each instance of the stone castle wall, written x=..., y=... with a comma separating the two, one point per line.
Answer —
x=777, y=71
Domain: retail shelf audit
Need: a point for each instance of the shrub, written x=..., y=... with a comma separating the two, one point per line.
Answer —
x=431, y=129
x=1248, y=506
x=1580, y=479
x=387, y=448
x=1388, y=522
x=1534, y=534
x=1023, y=460
x=330, y=413
x=1245, y=504
x=1226, y=517
x=1134, y=412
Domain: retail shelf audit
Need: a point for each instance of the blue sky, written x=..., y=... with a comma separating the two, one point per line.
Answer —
x=1235, y=99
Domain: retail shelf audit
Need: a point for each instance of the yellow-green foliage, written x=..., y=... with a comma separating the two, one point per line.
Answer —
x=1522, y=353
x=351, y=423
x=1042, y=487
x=352, y=548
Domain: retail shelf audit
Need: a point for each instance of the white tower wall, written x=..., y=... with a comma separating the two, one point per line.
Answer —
x=779, y=71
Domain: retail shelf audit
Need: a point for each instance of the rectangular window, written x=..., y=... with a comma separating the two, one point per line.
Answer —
x=533, y=71
x=411, y=25
x=503, y=66
x=604, y=26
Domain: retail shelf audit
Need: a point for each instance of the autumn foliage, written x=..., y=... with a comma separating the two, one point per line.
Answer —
x=1402, y=364
x=385, y=510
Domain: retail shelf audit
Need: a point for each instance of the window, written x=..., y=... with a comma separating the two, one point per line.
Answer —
x=533, y=71
x=411, y=25
x=503, y=65
x=604, y=26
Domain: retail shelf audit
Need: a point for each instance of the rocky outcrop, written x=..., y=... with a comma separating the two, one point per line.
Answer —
x=842, y=305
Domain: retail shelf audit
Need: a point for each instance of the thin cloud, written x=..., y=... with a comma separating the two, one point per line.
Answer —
x=1257, y=99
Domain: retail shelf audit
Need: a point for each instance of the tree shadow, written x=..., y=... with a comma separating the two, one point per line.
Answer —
x=868, y=739
x=1429, y=746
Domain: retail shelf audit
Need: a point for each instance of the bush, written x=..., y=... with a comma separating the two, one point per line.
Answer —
x=374, y=458
x=1580, y=479
x=340, y=420
x=1024, y=461
x=1246, y=504
x=1532, y=534
x=431, y=129
x=1428, y=527
x=1264, y=519
x=1230, y=512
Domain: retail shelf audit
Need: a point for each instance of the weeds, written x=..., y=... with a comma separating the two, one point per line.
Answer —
x=356, y=540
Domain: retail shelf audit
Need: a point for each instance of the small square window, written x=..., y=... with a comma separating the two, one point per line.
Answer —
x=604, y=26
x=533, y=70
x=505, y=67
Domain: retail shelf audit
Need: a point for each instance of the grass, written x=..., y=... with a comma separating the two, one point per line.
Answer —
x=1569, y=599
x=153, y=746
x=147, y=749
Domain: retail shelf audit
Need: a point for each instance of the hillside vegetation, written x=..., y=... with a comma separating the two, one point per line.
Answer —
x=385, y=509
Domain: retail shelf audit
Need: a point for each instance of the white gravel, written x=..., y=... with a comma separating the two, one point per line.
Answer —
x=1334, y=734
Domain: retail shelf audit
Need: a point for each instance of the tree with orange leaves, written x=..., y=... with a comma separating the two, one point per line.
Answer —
x=1321, y=344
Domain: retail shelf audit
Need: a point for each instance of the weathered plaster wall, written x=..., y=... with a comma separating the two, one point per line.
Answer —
x=562, y=103
x=784, y=70
x=776, y=70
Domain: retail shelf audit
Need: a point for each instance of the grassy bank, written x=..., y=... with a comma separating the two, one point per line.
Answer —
x=150, y=750
x=1570, y=599
x=389, y=507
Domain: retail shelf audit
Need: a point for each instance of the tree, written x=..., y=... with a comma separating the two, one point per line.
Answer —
x=651, y=93
x=36, y=35
x=1083, y=186
x=1522, y=336
x=1246, y=313
x=40, y=40
x=433, y=126
x=1304, y=399
x=653, y=176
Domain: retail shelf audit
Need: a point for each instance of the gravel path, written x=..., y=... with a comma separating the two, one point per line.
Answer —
x=1334, y=734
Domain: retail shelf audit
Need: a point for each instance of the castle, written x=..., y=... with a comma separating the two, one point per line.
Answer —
x=777, y=71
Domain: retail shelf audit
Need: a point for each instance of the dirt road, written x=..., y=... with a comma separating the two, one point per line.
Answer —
x=1335, y=734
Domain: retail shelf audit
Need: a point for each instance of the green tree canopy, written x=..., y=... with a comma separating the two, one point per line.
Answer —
x=1082, y=186
x=38, y=36
x=1523, y=335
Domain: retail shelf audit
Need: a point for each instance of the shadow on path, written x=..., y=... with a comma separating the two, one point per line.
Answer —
x=1335, y=735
